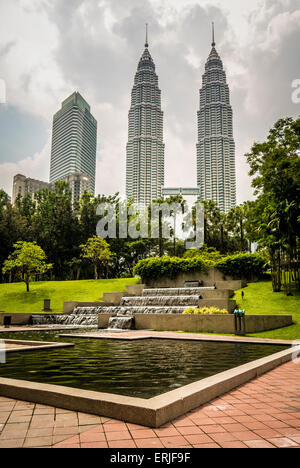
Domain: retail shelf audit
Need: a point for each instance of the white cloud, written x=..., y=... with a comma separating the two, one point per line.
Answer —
x=36, y=167
x=49, y=48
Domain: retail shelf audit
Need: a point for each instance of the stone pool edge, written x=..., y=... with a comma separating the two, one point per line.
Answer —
x=25, y=345
x=153, y=412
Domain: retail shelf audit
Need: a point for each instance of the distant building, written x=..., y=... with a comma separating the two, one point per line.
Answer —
x=145, y=147
x=23, y=185
x=78, y=183
x=216, y=147
x=74, y=141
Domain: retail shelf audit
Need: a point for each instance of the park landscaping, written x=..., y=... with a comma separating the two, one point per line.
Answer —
x=14, y=298
x=259, y=299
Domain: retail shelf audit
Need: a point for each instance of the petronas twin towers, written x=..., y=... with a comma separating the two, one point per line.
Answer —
x=145, y=170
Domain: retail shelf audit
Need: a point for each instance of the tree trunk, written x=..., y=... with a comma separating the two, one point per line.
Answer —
x=78, y=273
x=95, y=271
x=27, y=282
x=242, y=235
x=174, y=247
x=161, y=252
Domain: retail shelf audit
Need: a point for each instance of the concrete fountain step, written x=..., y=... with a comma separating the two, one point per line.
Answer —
x=179, y=291
x=142, y=301
x=65, y=319
x=131, y=310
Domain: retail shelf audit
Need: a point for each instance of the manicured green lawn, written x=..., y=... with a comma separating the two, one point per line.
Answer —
x=260, y=300
x=14, y=298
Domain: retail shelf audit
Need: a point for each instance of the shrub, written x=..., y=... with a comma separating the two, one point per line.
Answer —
x=242, y=265
x=209, y=255
x=170, y=267
x=205, y=311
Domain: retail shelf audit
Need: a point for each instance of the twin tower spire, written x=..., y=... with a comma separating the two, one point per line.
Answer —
x=145, y=151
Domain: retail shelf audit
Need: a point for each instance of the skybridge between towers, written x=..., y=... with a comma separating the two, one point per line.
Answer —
x=185, y=192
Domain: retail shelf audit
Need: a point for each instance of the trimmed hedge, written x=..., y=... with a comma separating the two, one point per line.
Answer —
x=241, y=265
x=169, y=267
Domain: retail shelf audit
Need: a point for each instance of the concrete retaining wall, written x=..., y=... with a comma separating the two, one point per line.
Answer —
x=135, y=289
x=209, y=278
x=227, y=304
x=16, y=319
x=202, y=323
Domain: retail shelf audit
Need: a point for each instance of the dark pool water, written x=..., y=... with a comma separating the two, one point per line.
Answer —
x=142, y=369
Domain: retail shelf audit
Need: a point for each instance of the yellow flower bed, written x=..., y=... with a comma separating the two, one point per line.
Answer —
x=205, y=311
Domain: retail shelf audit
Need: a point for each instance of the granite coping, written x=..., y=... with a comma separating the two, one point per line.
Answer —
x=151, y=334
x=153, y=412
x=13, y=346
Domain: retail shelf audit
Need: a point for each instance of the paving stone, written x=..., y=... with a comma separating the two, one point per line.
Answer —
x=38, y=441
x=11, y=443
x=283, y=442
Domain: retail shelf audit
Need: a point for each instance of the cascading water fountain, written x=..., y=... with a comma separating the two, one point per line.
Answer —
x=81, y=317
x=121, y=322
x=153, y=301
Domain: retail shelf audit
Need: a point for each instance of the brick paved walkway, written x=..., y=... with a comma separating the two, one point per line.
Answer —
x=262, y=413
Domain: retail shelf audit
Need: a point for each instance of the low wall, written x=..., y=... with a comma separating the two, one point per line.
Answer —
x=16, y=319
x=113, y=298
x=217, y=293
x=209, y=278
x=202, y=323
x=135, y=289
x=227, y=304
x=231, y=284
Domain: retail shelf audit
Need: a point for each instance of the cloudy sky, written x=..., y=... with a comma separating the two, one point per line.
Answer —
x=50, y=48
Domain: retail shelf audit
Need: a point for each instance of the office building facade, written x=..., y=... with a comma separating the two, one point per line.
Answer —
x=74, y=141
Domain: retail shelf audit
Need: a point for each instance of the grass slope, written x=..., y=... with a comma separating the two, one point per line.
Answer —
x=14, y=298
x=261, y=300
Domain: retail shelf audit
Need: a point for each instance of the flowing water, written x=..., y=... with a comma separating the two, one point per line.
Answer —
x=153, y=301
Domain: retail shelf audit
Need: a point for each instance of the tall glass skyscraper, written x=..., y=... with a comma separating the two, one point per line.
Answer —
x=216, y=175
x=145, y=149
x=74, y=141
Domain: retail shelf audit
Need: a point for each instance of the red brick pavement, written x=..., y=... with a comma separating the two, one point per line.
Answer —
x=264, y=413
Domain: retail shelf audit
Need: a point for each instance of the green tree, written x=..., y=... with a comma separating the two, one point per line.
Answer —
x=275, y=168
x=27, y=260
x=97, y=251
x=56, y=227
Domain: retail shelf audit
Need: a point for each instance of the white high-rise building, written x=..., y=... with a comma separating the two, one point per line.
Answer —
x=145, y=147
x=74, y=141
x=216, y=176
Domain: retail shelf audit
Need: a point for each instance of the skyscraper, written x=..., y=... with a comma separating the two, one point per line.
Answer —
x=216, y=175
x=74, y=141
x=145, y=147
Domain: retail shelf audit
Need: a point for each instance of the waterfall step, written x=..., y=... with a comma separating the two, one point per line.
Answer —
x=132, y=310
x=177, y=291
x=63, y=319
x=162, y=301
x=121, y=322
